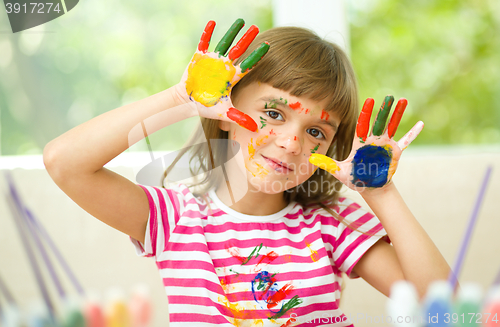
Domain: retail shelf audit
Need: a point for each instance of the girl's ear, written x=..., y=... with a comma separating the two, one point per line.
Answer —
x=224, y=125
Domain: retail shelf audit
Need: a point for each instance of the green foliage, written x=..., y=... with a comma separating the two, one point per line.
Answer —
x=440, y=55
x=100, y=56
x=443, y=56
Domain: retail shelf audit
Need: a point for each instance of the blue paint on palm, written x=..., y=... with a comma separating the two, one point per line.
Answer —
x=370, y=166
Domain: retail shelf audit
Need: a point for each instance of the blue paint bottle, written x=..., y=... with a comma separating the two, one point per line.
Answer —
x=437, y=305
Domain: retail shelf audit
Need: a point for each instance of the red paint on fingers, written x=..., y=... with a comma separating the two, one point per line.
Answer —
x=364, y=119
x=243, y=43
x=242, y=119
x=396, y=117
x=206, y=36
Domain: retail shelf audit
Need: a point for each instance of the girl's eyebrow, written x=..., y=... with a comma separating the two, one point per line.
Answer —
x=333, y=125
x=276, y=101
x=284, y=103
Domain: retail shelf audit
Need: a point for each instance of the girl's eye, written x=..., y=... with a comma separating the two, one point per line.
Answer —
x=316, y=132
x=274, y=115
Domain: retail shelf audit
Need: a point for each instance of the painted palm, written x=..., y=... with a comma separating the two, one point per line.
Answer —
x=210, y=76
x=374, y=156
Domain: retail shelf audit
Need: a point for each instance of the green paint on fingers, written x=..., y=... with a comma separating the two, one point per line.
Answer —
x=254, y=57
x=229, y=37
x=379, y=126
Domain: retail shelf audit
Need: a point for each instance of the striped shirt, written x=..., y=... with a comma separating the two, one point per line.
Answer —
x=223, y=268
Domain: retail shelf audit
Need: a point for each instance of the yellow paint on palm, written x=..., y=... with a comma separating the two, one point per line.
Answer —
x=209, y=79
x=393, y=165
x=324, y=162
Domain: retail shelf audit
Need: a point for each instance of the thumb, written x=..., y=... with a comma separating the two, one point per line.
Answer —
x=324, y=162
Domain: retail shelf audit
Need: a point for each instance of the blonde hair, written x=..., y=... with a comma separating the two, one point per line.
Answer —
x=303, y=64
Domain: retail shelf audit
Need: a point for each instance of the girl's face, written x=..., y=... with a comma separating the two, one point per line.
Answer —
x=276, y=158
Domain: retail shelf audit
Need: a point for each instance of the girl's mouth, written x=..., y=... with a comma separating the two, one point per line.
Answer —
x=275, y=164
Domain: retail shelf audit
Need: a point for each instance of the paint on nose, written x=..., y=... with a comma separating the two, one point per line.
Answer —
x=371, y=166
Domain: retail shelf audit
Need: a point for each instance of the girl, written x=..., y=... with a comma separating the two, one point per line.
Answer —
x=263, y=238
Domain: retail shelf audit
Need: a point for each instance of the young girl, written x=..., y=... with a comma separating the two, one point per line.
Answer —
x=263, y=238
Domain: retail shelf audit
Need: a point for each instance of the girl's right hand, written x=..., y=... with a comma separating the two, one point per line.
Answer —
x=210, y=76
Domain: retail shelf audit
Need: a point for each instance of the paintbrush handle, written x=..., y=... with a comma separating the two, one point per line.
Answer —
x=453, y=277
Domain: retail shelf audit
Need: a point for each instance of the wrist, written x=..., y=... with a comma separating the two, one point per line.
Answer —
x=378, y=193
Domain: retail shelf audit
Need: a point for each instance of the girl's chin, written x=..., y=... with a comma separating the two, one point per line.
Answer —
x=270, y=186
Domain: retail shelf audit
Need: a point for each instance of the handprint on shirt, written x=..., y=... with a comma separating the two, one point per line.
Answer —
x=210, y=76
x=374, y=157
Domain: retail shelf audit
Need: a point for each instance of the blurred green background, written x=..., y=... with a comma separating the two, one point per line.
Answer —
x=443, y=56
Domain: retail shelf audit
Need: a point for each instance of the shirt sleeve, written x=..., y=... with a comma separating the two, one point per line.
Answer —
x=358, y=231
x=165, y=207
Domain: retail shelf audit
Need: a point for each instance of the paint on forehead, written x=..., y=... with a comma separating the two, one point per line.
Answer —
x=270, y=105
x=324, y=115
x=209, y=79
x=370, y=166
x=297, y=106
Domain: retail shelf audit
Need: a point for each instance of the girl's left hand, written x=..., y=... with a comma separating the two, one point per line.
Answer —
x=374, y=157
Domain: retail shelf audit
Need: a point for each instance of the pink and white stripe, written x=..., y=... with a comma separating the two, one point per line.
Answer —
x=223, y=268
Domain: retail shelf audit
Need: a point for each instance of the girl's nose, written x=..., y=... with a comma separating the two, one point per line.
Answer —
x=291, y=143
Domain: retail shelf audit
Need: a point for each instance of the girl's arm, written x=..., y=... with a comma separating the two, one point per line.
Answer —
x=75, y=161
x=368, y=170
x=413, y=252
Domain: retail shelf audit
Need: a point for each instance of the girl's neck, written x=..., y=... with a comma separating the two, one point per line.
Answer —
x=255, y=203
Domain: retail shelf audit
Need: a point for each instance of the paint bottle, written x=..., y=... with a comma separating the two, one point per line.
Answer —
x=468, y=305
x=140, y=307
x=437, y=308
x=94, y=315
x=117, y=313
x=403, y=306
x=38, y=316
x=11, y=316
x=491, y=309
x=72, y=314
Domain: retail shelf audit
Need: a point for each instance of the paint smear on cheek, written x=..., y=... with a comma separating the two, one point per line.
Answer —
x=272, y=132
x=209, y=79
x=260, y=140
x=251, y=149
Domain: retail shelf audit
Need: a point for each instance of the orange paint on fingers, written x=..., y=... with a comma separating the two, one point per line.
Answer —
x=364, y=119
x=396, y=117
